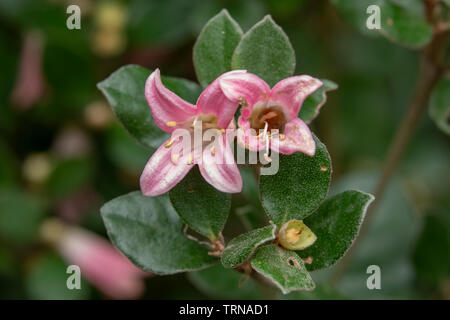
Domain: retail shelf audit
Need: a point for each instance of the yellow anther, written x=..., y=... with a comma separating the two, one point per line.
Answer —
x=175, y=157
x=190, y=160
x=171, y=123
x=169, y=144
x=282, y=137
x=213, y=150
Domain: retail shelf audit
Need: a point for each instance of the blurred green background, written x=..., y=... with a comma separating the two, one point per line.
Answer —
x=63, y=154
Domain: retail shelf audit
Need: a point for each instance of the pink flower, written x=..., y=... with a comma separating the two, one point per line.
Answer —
x=268, y=109
x=100, y=263
x=213, y=110
x=29, y=86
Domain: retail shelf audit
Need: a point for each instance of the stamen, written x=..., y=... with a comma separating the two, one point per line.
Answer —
x=282, y=137
x=213, y=150
x=175, y=157
x=190, y=159
x=169, y=143
x=171, y=123
x=266, y=154
x=266, y=126
x=194, y=123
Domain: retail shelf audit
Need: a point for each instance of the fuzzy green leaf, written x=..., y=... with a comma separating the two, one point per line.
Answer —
x=440, y=105
x=401, y=24
x=321, y=292
x=242, y=247
x=220, y=283
x=336, y=224
x=265, y=50
x=312, y=104
x=124, y=90
x=285, y=268
x=388, y=242
x=215, y=46
x=299, y=186
x=150, y=233
x=204, y=208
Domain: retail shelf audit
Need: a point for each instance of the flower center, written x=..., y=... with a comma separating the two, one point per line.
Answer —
x=196, y=128
x=273, y=116
x=208, y=121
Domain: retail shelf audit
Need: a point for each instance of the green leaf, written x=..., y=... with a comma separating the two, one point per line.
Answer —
x=150, y=233
x=220, y=283
x=284, y=268
x=439, y=109
x=387, y=243
x=401, y=24
x=265, y=50
x=47, y=280
x=404, y=27
x=124, y=90
x=215, y=46
x=204, y=208
x=336, y=224
x=321, y=292
x=21, y=215
x=312, y=104
x=242, y=247
x=299, y=186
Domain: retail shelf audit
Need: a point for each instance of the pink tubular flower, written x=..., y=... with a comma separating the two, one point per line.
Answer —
x=100, y=263
x=272, y=109
x=30, y=83
x=213, y=110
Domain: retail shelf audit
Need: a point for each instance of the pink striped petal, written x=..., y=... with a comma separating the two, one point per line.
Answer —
x=298, y=137
x=291, y=92
x=165, y=105
x=163, y=171
x=249, y=138
x=219, y=169
x=245, y=88
x=213, y=101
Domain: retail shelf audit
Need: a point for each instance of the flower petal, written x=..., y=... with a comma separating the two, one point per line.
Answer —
x=218, y=167
x=245, y=87
x=165, y=105
x=249, y=138
x=164, y=170
x=292, y=91
x=213, y=101
x=297, y=137
x=102, y=264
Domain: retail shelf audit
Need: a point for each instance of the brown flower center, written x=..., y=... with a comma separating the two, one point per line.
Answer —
x=273, y=116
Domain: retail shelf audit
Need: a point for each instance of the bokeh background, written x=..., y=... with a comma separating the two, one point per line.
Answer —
x=63, y=154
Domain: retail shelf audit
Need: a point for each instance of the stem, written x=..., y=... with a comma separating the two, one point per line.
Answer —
x=431, y=70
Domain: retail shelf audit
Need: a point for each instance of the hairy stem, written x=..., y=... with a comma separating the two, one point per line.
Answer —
x=431, y=70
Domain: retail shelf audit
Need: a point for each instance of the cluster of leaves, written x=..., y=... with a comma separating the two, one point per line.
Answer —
x=150, y=230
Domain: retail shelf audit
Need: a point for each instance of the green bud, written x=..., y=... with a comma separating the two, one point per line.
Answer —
x=295, y=235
